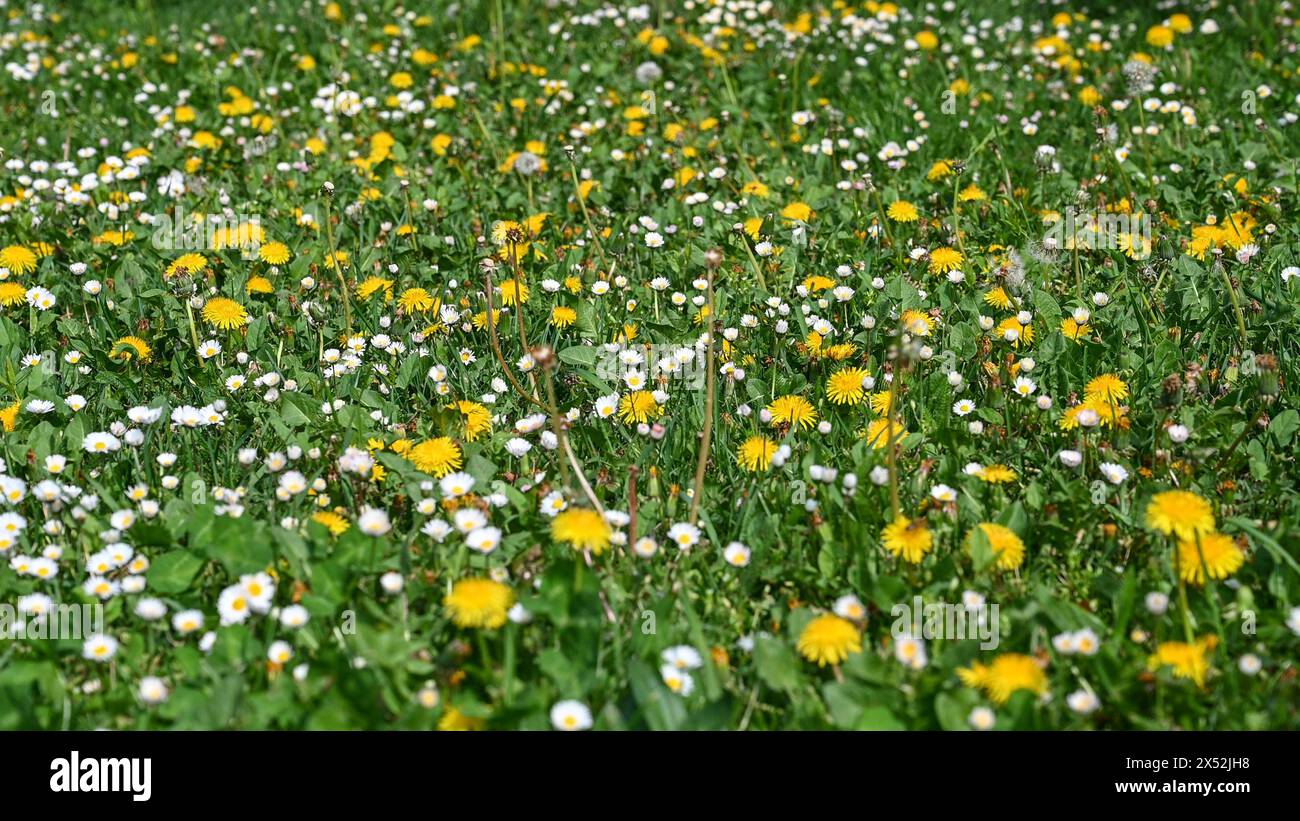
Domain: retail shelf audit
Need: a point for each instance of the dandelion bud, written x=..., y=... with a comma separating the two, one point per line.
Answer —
x=1266, y=364
x=180, y=285
x=1171, y=391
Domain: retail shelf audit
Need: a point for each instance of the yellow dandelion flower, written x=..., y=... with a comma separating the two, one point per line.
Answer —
x=1216, y=554
x=19, y=259
x=224, y=313
x=945, y=259
x=454, y=720
x=563, y=316
x=639, y=406
x=996, y=474
x=829, y=639
x=480, y=319
x=881, y=430
x=417, y=300
x=755, y=453
x=1023, y=334
x=12, y=293
x=259, y=285
x=1007, y=547
x=1007, y=674
x=818, y=282
x=437, y=457
x=1181, y=513
x=582, y=529
x=998, y=298
x=1106, y=388
x=480, y=603
x=477, y=419
x=799, y=211
x=908, y=539
x=274, y=253
x=845, y=386
x=186, y=265
x=513, y=291
x=1190, y=661
x=333, y=522
x=1160, y=36
x=941, y=169
x=373, y=285
x=793, y=410
x=903, y=211
x=1074, y=331
x=917, y=323
x=114, y=238
x=131, y=348
x=9, y=416
x=880, y=402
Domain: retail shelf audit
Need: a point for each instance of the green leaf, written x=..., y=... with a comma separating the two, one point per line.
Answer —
x=844, y=701
x=293, y=415
x=981, y=550
x=879, y=718
x=777, y=664
x=951, y=712
x=173, y=572
x=239, y=545
x=1284, y=426
x=581, y=355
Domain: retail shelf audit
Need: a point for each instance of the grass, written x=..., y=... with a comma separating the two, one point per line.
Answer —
x=762, y=200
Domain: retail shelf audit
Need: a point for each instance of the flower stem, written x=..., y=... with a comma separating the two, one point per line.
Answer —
x=706, y=436
x=194, y=334
x=889, y=439
x=337, y=265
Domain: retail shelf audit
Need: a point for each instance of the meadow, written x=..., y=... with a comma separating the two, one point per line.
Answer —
x=714, y=364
